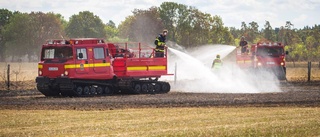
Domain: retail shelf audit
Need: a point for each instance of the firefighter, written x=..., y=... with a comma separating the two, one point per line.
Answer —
x=217, y=63
x=243, y=44
x=160, y=43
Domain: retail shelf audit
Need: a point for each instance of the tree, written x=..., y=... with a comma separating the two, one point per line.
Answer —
x=63, y=22
x=269, y=34
x=173, y=15
x=235, y=32
x=111, y=30
x=253, y=32
x=311, y=46
x=200, y=28
x=291, y=39
x=44, y=26
x=85, y=25
x=147, y=25
x=220, y=34
x=17, y=33
x=244, y=29
x=125, y=28
x=26, y=32
x=191, y=27
x=297, y=52
x=142, y=26
x=5, y=16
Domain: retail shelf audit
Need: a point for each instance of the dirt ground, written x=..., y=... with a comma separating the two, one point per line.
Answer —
x=303, y=94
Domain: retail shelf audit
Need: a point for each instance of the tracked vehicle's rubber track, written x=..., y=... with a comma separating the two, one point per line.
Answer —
x=80, y=88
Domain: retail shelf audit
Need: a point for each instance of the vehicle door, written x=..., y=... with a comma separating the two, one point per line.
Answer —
x=81, y=63
x=101, y=63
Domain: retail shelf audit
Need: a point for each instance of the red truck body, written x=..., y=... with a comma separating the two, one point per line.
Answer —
x=89, y=66
x=264, y=57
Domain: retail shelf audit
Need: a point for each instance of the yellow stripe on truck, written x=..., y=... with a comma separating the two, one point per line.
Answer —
x=145, y=68
x=70, y=66
x=137, y=68
x=101, y=64
x=244, y=61
x=157, y=67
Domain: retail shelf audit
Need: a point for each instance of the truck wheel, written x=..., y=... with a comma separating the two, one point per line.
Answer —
x=144, y=88
x=157, y=88
x=107, y=90
x=137, y=88
x=282, y=73
x=86, y=90
x=165, y=87
x=150, y=88
x=93, y=91
x=99, y=90
x=79, y=90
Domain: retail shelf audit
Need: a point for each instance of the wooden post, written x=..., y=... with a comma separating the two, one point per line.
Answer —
x=8, y=77
x=309, y=71
x=175, y=73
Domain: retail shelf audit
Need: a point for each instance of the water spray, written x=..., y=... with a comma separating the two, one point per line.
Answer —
x=194, y=73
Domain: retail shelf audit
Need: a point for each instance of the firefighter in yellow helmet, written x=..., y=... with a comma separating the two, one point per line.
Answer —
x=160, y=43
x=217, y=63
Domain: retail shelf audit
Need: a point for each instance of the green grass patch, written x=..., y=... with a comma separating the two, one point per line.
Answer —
x=229, y=121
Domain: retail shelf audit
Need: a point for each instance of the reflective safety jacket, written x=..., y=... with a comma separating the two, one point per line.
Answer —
x=160, y=42
x=216, y=64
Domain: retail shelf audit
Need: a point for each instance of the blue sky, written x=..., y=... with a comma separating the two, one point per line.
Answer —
x=300, y=12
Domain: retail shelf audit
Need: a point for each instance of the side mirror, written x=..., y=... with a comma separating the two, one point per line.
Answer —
x=287, y=52
x=80, y=55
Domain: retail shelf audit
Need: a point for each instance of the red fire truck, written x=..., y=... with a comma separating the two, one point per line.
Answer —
x=90, y=66
x=264, y=57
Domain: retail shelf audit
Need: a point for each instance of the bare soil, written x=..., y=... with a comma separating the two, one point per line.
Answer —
x=302, y=94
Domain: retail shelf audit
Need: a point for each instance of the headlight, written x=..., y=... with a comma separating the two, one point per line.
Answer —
x=40, y=72
x=66, y=73
x=259, y=64
x=282, y=63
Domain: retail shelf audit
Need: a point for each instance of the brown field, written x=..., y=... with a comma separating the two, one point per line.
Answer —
x=294, y=112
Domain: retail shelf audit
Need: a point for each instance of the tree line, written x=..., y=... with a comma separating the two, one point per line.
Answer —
x=24, y=33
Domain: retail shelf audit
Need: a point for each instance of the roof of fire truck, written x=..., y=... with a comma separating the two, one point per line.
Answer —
x=74, y=41
x=274, y=44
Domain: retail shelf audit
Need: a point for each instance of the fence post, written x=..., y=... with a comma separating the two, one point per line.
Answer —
x=309, y=71
x=8, y=77
x=175, y=73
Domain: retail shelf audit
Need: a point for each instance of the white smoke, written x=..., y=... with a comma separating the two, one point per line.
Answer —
x=194, y=73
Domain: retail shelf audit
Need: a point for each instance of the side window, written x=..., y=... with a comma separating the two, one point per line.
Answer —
x=107, y=52
x=84, y=53
x=48, y=54
x=98, y=53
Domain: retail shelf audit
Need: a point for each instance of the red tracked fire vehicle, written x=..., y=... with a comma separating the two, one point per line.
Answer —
x=90, y=66
x=264, y=57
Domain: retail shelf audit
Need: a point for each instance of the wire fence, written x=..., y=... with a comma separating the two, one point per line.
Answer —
x=12, y=73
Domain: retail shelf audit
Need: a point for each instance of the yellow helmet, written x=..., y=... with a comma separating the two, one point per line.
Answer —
x=218, y=56
x=165, y=30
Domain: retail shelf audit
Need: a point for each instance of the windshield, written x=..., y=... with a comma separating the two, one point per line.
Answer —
x=270, y=51
x=58, y=53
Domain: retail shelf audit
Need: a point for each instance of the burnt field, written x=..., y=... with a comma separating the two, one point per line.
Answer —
x=302, y=94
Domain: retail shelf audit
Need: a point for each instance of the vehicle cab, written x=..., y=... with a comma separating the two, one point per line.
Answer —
x=268, y=55
x=85, y=58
